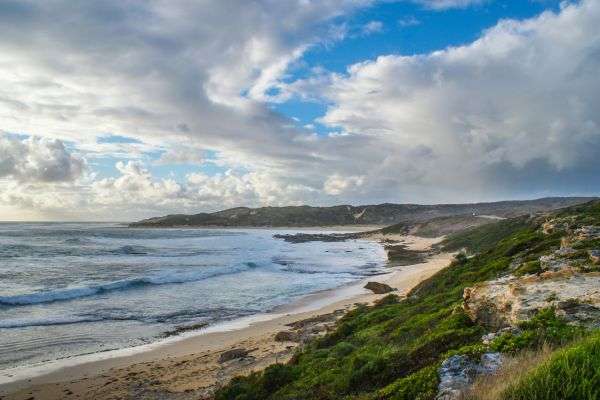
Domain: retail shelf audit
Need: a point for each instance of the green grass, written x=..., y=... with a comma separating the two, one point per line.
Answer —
x=483, y=238
x=570, y=373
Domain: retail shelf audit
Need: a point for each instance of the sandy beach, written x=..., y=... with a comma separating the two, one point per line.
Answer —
x=191, y=366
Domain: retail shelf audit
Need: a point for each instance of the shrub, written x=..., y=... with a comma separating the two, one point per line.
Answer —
x=545, y=328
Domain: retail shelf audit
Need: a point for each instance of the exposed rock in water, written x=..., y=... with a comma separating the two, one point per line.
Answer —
x=457, y=374
x=510, y=300
x=379, y=288
x=315, y=237
x=185, y=328
x=233, y=354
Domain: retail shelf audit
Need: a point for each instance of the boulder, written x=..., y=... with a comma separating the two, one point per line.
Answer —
x=458, y=372
x=233, y=354
x=379, y=288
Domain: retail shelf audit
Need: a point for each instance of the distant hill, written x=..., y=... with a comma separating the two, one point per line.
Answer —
x=379, y=214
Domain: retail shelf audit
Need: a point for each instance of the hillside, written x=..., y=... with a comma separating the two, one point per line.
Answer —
x=523, y=305
x=380, y=214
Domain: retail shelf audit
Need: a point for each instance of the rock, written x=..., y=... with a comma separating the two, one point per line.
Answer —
x=316, y=320
x=594, y=256
x=489, y=337
x=552, y=263
x=507, y=301
x=315, y=237
x=587, y=232
x=457, y=373
x=287, y=336
x=379, y=288
x=233, y=354
x=565, y=251
x=490, y=363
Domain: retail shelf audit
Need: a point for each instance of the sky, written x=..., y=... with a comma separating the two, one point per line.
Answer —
x=122, y=109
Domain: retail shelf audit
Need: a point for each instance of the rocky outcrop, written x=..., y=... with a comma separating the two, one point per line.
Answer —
x=305, y=330
x=287, y=336
x=457, y=374
x=587, y=232
x=379, y=288
x=233, y=354
x=510, y=300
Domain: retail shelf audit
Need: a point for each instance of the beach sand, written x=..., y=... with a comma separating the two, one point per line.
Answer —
x=188, y=367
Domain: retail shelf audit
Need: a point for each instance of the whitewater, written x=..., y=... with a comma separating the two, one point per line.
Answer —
x=68, y=289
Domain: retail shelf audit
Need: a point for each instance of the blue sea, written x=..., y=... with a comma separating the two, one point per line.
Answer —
x=69, y=289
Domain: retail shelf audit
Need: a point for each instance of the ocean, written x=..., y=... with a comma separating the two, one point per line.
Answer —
x=69, y=289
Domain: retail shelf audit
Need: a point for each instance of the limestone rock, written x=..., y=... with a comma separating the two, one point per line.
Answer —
x=379, y=288
x=553, y=262
x=587, y=232
x=509, y=300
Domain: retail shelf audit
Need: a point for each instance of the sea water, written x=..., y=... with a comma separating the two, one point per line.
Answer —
x=68, y=289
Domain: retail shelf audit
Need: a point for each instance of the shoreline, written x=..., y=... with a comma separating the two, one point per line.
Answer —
x=113, y=373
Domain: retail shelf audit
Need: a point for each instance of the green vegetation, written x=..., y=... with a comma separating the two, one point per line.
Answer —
x=483, y=238
x=377, y=214
x=543, y=329
x=392, y=350
x=570, y=373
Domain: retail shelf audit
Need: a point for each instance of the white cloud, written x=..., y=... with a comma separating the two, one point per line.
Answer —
x=372, y=27
x=160, y=72
x=446, y=4
x=408, y=21
x=336, y=184
x=38, y=160
x=182, y=155
x=514, y=109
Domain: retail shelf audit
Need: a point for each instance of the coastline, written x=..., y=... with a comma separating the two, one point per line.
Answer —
x=188, y=365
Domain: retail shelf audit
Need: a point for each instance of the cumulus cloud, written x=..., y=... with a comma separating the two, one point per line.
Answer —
x=337, y=184
x=511, y=110
x=38, y=160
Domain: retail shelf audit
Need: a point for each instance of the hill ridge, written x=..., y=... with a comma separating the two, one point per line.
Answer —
x=345, y=214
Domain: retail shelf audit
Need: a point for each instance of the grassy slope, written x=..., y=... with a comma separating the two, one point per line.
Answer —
x=392, y=350
x=571, y=373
